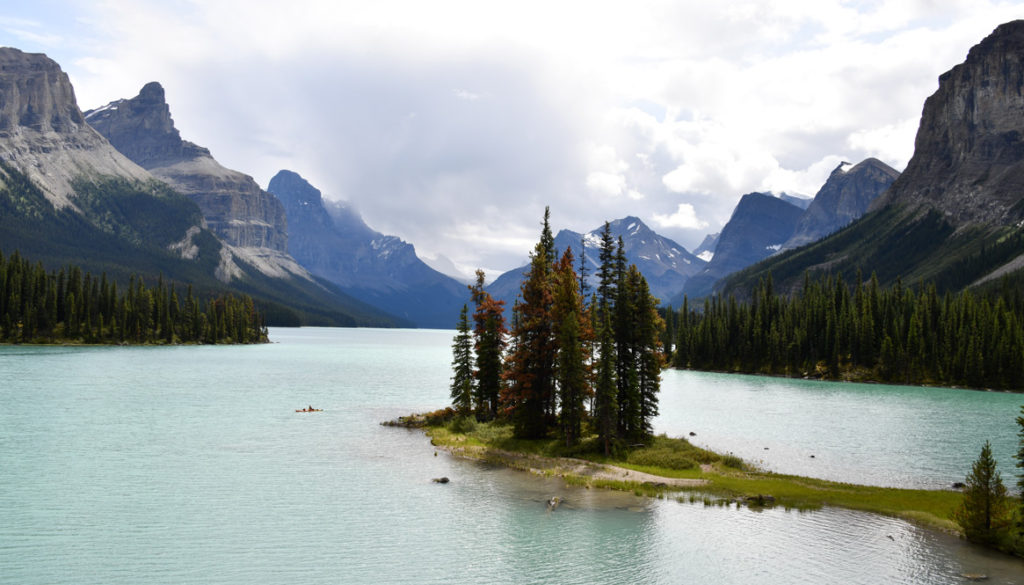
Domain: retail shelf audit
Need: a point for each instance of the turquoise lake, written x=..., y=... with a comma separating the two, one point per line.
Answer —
x=142, y=465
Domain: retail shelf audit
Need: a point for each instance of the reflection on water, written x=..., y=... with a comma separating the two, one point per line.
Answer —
x=180, y=465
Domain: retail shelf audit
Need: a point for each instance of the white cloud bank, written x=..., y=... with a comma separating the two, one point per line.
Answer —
x=453, y=123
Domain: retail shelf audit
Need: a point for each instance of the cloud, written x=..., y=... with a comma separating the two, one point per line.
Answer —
x=453, y=127
x=685, y=217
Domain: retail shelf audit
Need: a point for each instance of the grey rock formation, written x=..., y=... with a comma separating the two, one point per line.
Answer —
x=968, y=158
x=801, y=201
x=234, y=206
x=759, y=226
x=706, y=250
x=332, y=241
x=43, y=133
x=844, y=197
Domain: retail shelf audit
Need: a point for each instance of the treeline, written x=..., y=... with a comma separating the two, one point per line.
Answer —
x=572, y=363
x=835, y=330
x=68, y=305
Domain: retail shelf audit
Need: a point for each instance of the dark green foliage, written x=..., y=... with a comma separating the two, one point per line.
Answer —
x=72, y=306
x=1020, y=478
x=571, y=369
x=835, y=330
x=571, y=366
x=553, y=367
x=489, y=343
x=462, y=366
x=892, y=243
x=671, y=454
x=529, y=393
x=984, y=511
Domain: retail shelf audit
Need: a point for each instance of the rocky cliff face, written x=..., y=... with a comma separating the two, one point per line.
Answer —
x=759, y=226
x=844, y=197
x=333, y=242
x=968, y=158
x=43, y=133
x=234, y=206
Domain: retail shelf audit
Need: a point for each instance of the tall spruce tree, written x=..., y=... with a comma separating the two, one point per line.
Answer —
x=606, y=406
x=984, y=507
x=649, y=328
x=462, y=366
x=529, y=395
x=1020, y=474
x=489, y=343
x=571, y=368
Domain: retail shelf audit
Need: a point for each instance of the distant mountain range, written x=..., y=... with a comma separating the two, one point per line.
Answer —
x=117, y=190
x=759, y=226
x=69, y=196
x=954, y=216
x=762, y=224
x=332, y=241
x=665, y=264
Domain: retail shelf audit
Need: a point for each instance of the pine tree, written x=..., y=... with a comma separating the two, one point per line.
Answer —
x=1020, y=475
x=529, y=396
x=462, y=366
x=489, y=343
x=571, y=370
x=984, y=507
x=606, y=407
x=649, y=355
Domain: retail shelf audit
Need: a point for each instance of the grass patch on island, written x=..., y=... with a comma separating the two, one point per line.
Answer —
x=727, y=478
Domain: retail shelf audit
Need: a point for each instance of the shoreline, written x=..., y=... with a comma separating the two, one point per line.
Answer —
x=849, y=380
x=713, y=482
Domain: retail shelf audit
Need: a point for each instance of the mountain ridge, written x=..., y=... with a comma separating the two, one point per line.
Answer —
x=665, y=264
x=954, y=216
x=334, y=242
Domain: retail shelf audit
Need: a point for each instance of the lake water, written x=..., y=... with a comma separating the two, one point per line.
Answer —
x=190, y=465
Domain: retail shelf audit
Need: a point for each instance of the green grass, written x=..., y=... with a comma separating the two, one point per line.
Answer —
x=727, y=478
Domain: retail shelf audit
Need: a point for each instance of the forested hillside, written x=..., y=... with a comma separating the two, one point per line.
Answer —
x=835, y=329
x=69, y=305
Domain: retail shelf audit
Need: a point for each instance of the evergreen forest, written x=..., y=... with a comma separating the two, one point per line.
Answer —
x=572, y=363
x=833, y=329
x=72, y=306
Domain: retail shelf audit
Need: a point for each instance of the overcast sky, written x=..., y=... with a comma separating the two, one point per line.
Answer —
x=451, y=124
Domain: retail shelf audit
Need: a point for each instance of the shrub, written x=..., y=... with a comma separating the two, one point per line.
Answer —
x=733, y=462
x=462, y=424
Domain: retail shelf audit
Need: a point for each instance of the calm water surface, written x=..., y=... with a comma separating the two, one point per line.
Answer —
x=190, y=465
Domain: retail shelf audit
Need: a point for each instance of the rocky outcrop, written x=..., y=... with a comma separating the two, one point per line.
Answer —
x=234, y=206
x=968, y=161
x=332, y=241
x=43, y=133
x=844, y=197
x=759, y=226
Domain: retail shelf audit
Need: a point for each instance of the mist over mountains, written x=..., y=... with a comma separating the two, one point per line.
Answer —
x=117, y=189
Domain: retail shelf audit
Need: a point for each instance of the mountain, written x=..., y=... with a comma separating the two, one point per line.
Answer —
x=706, y=250
x=665, y=264
x=247, y=218
x=332, y=241
x=67, y=196
x=759, y=226
x=43, y=133
x=953, y=217
x=844, y=197
x=800, y=201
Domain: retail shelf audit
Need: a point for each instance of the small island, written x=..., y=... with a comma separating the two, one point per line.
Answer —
x=571, y=389
x=673, y=467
